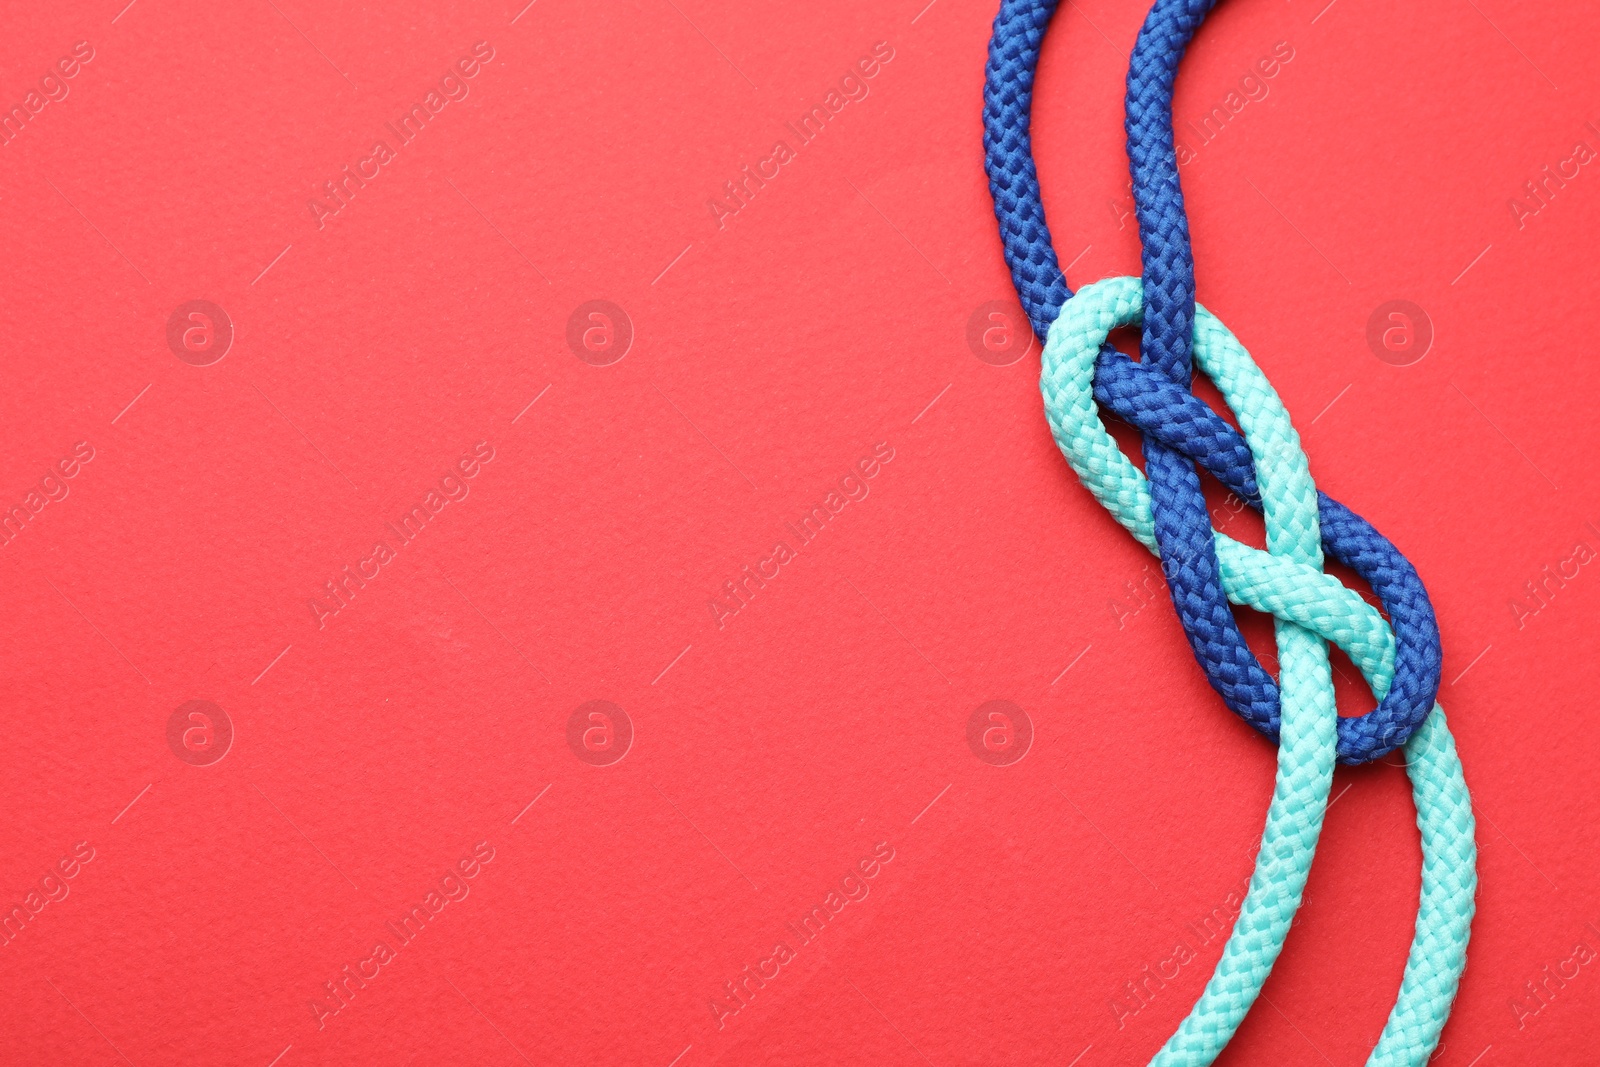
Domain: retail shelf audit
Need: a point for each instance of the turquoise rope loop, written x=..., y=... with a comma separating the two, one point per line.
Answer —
x=1309, y=608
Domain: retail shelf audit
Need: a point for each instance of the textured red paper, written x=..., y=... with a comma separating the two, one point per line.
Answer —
x=599, y=471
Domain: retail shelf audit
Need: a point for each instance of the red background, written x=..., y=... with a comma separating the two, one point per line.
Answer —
x=773, y=752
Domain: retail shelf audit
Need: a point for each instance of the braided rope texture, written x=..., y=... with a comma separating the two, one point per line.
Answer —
x=1153, y=396
x=1265, y=467
x=1309, y=607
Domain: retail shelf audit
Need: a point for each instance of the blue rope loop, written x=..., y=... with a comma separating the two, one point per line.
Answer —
x=1153, y=396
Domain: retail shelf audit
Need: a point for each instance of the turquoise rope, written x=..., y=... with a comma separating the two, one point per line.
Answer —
x=1309, y=608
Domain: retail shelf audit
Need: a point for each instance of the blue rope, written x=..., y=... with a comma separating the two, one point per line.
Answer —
x=1153, y=396
x=1081, y=377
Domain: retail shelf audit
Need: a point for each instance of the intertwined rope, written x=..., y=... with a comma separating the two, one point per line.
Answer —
x=1310, y=607
x=1154, y=395
x=1083, y=375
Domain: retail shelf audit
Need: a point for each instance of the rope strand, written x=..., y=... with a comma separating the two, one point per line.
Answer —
x=1082, y=375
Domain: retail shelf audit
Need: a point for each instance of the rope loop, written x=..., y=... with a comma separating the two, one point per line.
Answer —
x=1164, y=508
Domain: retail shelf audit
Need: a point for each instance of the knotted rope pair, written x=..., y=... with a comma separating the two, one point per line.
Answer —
x=1154, y=395
x=1204, y=569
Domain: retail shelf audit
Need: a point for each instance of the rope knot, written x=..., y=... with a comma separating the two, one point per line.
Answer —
x=1401, y=665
